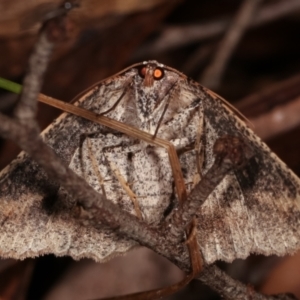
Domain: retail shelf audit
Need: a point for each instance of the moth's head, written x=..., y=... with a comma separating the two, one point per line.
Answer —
x=153, y=85
x=150, y=72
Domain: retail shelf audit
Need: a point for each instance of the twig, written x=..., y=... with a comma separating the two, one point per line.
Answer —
x=53, y=30
x=230, y=152
x=178, y=36
x=27, y=106
x=213, y=73
x=279, y=93
x=279, y=120
x=275, y=109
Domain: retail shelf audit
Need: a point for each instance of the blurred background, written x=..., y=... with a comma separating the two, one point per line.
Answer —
x=247, y=51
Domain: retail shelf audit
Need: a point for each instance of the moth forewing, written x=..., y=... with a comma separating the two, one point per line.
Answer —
x=255, y=209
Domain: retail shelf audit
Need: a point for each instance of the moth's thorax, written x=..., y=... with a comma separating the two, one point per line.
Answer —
x=153, y=86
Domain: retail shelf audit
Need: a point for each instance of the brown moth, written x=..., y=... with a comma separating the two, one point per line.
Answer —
x=253, y=210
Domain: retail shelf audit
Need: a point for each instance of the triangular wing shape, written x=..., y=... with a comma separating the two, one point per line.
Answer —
x=255, y=209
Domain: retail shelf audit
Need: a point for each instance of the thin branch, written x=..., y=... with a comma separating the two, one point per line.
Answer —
x=53, y=30
x=178, y=36
x=230, y=152
x=278, y=93
x=212, y=75
x=27, y=105
x=275, y=109
x=279, y=120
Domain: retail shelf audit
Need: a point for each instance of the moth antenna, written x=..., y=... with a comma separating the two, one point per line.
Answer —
x=95, y=167
x=88, y=91
x=165, y=109
x=117, y=102
x=161, y=117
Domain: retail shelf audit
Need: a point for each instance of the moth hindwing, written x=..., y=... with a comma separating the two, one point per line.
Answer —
x=253, y=210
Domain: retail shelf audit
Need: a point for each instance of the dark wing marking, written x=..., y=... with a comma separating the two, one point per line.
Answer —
x=253, y=210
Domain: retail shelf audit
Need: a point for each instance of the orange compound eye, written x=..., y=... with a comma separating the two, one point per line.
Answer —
x=142, y=72
x=158, y=73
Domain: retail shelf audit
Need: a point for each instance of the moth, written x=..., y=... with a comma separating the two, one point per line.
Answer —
x=253, y=210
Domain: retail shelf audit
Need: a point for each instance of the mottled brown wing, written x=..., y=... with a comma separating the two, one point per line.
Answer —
x=253, y=210
x=30, y=225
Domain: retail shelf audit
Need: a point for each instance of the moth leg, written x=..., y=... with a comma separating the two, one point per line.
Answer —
x=173, y=202
x=127, y=189
x=125, y=89
x=125, y=185
x=94, y=164
x=95, y=167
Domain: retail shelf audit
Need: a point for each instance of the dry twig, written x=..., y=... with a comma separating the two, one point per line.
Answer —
x=275, y=109
x=279, y=120
x=212, y=75
x=172, y=37
x=279, y=93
